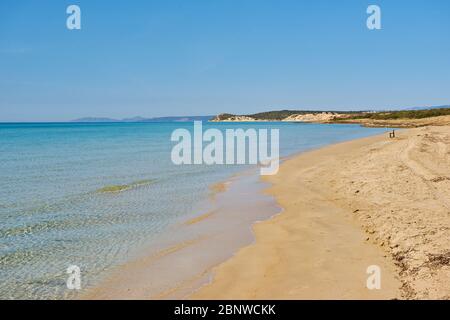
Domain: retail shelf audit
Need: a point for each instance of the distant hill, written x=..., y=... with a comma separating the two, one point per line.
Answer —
x=425, y=108
x=179, y=119
x=284, y=115
x=141, y=119
x=95, y=119
x=278, y=115
x=402, y=114
x=134, y=119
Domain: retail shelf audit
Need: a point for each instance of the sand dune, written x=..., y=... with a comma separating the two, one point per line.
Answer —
x=371, y=201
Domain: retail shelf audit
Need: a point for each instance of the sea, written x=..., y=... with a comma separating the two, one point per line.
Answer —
x=95, y=195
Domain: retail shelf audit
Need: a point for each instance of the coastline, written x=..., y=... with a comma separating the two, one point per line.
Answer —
x=346, y=207
x=181, y=261
x=142, y=275
x=320, y=245
x=326, y=118
x=134, y=279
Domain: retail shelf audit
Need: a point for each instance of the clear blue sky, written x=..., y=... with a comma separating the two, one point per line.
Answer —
x=198, y=57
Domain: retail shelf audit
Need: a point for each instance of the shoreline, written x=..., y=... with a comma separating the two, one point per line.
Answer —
x=250, y=273
x=322, y=253
x=181, y=261
x=342, y=214
x=114, y=285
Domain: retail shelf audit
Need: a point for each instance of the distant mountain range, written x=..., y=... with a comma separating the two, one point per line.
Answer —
x=141, y=119
x=269, y=114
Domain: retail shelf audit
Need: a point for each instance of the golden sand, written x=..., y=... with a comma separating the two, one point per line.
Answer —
x=373, y=201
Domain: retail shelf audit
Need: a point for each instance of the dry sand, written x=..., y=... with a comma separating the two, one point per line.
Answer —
x=374, y=201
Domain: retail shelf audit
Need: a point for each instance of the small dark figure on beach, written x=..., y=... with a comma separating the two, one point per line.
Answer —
x=392, y=134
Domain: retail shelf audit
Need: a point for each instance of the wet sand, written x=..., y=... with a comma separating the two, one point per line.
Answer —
x=182, y=260
x=373, y=201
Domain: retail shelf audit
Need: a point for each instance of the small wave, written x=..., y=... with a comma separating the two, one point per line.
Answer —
x=124, y=187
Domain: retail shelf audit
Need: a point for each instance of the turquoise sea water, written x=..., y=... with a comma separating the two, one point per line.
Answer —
x=93, y=195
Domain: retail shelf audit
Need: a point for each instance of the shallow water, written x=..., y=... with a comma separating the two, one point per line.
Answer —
x=95, y=195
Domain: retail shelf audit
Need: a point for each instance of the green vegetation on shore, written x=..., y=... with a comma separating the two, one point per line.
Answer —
x=279, y=115
x=346, y=115
x=406, y=114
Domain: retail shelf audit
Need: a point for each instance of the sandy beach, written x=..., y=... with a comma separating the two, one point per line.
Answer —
x=181, y=260
x=373, y=201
